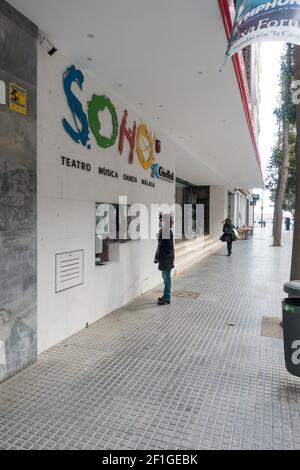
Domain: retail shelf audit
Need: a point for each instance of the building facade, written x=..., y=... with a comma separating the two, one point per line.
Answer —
x=89, y=116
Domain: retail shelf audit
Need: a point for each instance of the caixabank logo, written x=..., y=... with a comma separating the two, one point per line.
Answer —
x=140, y=139
x=160, y=173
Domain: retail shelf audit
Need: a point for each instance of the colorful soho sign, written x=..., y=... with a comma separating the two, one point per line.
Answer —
x=139, y=138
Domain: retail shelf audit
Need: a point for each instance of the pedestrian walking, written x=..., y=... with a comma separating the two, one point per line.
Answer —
x=229, y=235
x=165, y=256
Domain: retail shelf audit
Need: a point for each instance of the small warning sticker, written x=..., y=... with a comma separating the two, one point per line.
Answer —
x=17, y=99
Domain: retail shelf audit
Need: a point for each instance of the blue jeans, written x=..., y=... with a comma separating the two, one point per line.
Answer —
x=168, y=284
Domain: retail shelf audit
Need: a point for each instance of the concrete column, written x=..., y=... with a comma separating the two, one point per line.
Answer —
x=251, y=218
x=236, y=203
x=18, y=195
x=243, y=211
x=218, y=209
x=240, y=211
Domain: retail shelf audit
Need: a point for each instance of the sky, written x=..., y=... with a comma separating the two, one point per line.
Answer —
x=269, y=88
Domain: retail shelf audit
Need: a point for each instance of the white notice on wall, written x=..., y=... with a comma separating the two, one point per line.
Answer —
x=2, y=92
x=69, y=270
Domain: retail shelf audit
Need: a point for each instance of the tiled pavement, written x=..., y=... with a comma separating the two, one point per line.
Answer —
x=195, y=375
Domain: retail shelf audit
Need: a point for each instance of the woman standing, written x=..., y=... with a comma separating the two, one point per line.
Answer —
x=165, y=256
x=228, y=234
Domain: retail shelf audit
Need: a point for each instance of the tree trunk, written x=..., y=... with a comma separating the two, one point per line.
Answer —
x=295, y=271
x=282, y=183
x=284, y=173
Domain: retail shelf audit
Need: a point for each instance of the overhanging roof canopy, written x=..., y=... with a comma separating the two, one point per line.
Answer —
x=164, y=57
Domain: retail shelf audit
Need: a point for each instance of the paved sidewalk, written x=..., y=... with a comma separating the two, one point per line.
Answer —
x=195, y=375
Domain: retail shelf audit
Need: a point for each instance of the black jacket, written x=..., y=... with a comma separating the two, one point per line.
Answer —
x=165, y=254
x=228, y=235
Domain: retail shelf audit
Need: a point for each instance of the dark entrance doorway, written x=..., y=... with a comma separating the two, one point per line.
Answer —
x=187, y=193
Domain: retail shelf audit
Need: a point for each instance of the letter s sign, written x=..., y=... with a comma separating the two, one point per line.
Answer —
x=296, y=354
x=80, y=135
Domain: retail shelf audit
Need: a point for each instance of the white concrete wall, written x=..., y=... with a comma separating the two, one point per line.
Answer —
x=251, y=216
x=66, y=210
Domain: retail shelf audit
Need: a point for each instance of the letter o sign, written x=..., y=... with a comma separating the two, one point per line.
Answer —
x=97, y=104
x=145, y=143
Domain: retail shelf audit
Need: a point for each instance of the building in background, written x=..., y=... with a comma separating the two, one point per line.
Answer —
x=98, y=107
x=251, y=55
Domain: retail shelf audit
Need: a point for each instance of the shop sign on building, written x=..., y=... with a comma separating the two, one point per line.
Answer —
x=255, y=199
x=140, y=139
